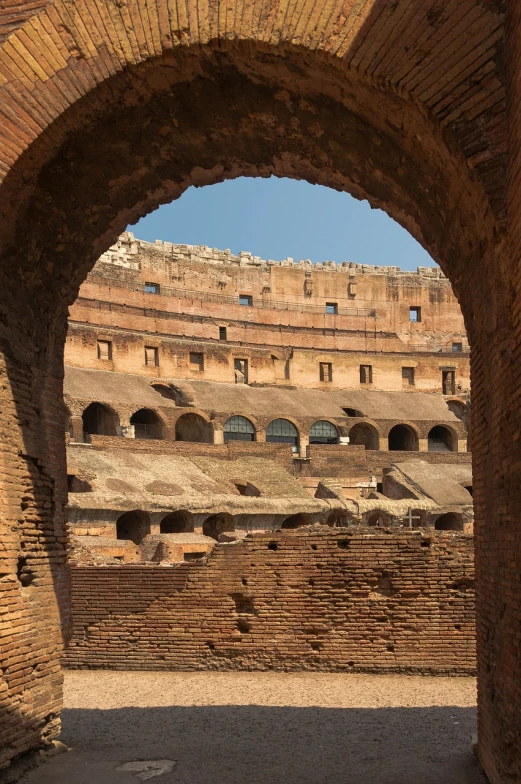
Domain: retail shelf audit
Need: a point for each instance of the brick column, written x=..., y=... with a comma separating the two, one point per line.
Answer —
x=33, y=494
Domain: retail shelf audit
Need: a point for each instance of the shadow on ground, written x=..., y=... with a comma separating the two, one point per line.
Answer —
x=268, y=745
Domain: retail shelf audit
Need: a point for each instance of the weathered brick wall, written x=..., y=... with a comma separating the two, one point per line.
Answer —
x=336, y=460
x=280, y=452
x=378, y=602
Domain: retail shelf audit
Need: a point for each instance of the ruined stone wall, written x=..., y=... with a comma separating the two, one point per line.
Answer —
x=380, y=602
x=284, y=331
x=334, y=460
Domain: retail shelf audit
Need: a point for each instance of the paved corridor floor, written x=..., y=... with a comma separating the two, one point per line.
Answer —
x=264, y=728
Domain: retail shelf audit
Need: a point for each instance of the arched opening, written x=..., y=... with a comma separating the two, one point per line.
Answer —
x=100, y=420
x=282, y=431
x=177, y=523
x=440, y=439
x=449, y=522
x=248, y=489
x=459, y=409
x=363, y=434
x=338, y=519
x=402, y=438
x=378, y=519
x=296, y=521
x=281, y=108
x=238, y=428
x=133, y=526
x=218, y=524
x=192, y=427
x=147, y=424
x=323, y=432
x=165, y=390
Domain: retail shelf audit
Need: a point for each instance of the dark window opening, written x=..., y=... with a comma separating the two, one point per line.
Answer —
x=332, y=308
x=196, y=361
x=104, y=349
x=326, y=371
x=415, y=314
x=352, y=412
x=151, y=356
x=152, y=288
x=457, y=347
x=366, y=374
x=246, y=299
x=240, y=367
x=448, y=382
x=408, y=376
x=222, y=333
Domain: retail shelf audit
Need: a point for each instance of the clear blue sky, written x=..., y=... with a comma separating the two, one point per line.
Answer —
x=276, y=218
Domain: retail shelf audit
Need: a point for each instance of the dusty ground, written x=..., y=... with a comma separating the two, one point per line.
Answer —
x=265, y=728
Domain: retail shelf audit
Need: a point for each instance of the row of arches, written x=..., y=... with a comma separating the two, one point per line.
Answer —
x=99, y=419
x=134, y=526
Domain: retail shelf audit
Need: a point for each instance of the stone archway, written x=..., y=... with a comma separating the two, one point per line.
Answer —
x=364, y=434
x=193, y=427
x=100, y=420
x=133, y=526
x=402, y=438
x=449, y=522
x=108, y=110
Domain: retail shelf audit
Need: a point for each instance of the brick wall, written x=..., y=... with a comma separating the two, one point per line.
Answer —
x=300, y=600
x=337, y=460
x=280, y=452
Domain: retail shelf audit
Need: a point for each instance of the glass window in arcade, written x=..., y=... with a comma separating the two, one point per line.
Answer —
x=238, y=428
x=323, y=432
x=281, y=431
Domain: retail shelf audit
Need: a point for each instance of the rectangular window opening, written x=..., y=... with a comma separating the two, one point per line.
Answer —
x=222, y=333
x=366, y=374
x=332, y=308
x=240, y=367
x=415, y=314
x=151, y=356
x=152, y=288
x=246, y=299
x=104, y=349
x=457, y=347
x=196, y=361
x=408, y=376
x=448, y=382
x=326, y=371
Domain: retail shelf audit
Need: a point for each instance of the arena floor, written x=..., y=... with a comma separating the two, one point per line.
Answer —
x=264, y=728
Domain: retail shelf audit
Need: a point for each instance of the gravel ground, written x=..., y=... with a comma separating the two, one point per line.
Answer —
x=265, y=728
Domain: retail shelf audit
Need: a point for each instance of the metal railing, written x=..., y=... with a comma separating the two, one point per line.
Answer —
x=147, y=431
x=224, y=299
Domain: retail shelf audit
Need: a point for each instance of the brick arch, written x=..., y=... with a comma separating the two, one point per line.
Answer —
x=332, y=95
